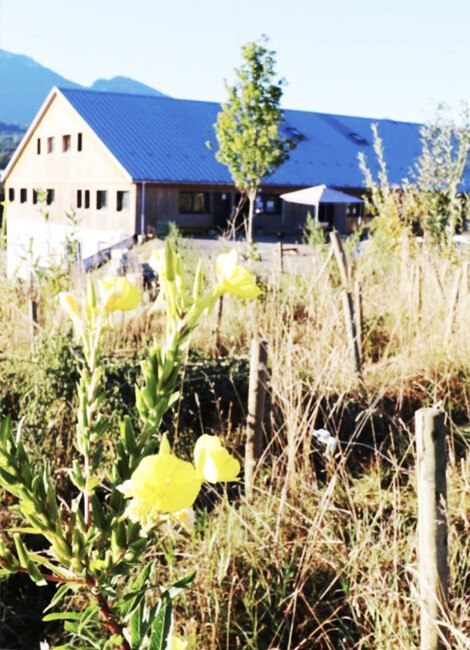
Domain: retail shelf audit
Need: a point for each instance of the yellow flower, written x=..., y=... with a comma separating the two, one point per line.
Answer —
x=164, y=261
x=69, y=305
x=235, y=279
x=161, y=483
x=185, y=518
x=213, y=462
x=178, y=644
x=157, y=261
x=119, y=293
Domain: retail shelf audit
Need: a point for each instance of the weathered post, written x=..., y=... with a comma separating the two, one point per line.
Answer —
x=432, y=526
x=32, y=307
x=348, y=309
x=454, y=297
x=256, y=402
x=340, y=256
x=348, y=304
x=220, y=312
x=358, y=313
x=281, y=256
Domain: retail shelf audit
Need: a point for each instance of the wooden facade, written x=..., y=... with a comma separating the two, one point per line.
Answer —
x=62, y=159
x=80, y=180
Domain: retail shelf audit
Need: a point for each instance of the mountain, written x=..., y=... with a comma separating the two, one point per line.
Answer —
x=124, y=85
x=25, y=84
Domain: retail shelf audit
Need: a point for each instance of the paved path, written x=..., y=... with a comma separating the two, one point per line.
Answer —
x=296, y=257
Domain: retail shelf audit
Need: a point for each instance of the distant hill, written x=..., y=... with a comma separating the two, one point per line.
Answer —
x=124, y=85
x=25, y=84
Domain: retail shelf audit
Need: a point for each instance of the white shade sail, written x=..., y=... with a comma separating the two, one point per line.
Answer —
x=319, y=194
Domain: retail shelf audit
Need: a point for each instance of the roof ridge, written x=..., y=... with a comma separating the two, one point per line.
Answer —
x=65, y=90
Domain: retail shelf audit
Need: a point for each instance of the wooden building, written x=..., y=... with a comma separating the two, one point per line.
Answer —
x=118, y=165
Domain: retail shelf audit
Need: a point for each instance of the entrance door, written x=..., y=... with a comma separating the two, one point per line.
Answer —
x=327, y=214
x=222, y=209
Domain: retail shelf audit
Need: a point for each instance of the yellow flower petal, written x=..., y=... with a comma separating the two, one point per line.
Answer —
x=235, y=279
x=119, y=293
x=157, y=262
x=213, y=462
x=162, y=482
x=185, y=518
x=178, y=644
x=69, y=305
x=164, y=445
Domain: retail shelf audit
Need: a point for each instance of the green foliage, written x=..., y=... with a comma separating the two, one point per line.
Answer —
x=314, y=235
x=431, y=203
x=383, y=201
x=248, y=128
x=434, y=200
x=95, y=543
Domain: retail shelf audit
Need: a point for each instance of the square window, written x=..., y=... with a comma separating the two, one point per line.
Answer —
x=100, y=199
x=35, y=197
x=186, y=203
x=50, y=145
x=79, y=198
x=87, y=199
x=194, y=203
x=65, y=143
x=11, y=194
x=50, y=195
x=199, y=203
x=23, y=195
x=79, y=142
x=38, y=146
x=122, y=201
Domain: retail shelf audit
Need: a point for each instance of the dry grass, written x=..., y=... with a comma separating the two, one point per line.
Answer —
x=324, y=557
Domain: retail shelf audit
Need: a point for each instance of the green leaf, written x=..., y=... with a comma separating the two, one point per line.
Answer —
x=27, y=563
x=59, y=594
x=135, y=625
x=179, y=585
x=133, y=599
x=62, y=616
x=162, y=624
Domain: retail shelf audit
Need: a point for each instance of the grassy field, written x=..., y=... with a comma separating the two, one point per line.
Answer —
x=324, y=554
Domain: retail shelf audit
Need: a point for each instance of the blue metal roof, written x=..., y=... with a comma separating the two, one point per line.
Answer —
x=162, y=139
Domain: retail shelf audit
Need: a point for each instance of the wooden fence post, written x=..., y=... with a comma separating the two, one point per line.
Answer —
x=454, y=297
x=340, y=256
x=281, y=256
x=220, y=312
x=256, y=402
x=432, y=526
x=358, y=314
x=348, y=304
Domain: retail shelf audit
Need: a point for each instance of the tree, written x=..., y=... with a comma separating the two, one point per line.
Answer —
x=248, y=127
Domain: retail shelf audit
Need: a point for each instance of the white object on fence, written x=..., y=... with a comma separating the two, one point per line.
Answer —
x=325, y=437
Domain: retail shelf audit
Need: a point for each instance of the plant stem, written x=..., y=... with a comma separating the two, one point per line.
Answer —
x=113, y=626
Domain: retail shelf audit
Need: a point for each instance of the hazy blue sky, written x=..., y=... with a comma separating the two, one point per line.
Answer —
x=375, y=58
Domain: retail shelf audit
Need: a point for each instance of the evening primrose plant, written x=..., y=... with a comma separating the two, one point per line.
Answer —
x=98, y=531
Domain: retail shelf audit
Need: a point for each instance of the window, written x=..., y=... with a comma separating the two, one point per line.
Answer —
x=50, y=196
x=38, y=146
x=87, y=199
x=65, y=143
x=122, y=201
x=50, y=145
x=100, y=199
x=79, y=142
x=23, y=195
x=11, y=194
x=353, y=209
x=79, y=198
x=194, y=203
x=35, y=197
x=268, y=204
